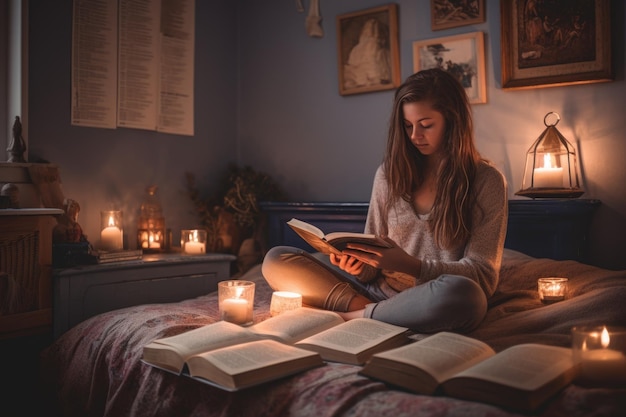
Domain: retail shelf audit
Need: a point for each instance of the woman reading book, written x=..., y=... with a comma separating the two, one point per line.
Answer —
x=441, y=206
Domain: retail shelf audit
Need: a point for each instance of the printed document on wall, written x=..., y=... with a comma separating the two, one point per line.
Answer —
x=139, y=56
x=94, y=63
x=176, y=97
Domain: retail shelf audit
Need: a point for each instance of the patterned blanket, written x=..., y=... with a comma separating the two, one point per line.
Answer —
x=95, y=370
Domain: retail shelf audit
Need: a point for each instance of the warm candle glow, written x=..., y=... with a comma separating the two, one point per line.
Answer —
x=236, y=301
x=548, y=176
x=283, y=301
x=602, y=355
x=552, y=289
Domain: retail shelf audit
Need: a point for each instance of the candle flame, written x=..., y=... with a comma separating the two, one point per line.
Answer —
x=111, y=221
x=604, y=338
x=547, y=161
x=195, y=235
x=238, y=292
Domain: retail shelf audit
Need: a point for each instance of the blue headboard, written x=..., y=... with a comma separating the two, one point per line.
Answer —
x=556, y=229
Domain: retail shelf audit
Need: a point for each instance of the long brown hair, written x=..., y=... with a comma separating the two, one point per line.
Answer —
x=450, y=218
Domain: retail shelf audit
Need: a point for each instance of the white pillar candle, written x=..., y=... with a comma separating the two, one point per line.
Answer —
x=111, y=236
x=548, y=176
x=193, y=248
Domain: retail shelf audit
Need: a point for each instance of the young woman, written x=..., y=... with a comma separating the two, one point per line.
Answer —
x=443, y=208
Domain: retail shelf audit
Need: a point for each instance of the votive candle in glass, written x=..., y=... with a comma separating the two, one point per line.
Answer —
x=552, y=289
x=283, y=301
x=601, y=353
x=111, y=230
x=193, y=242
x=236, y=301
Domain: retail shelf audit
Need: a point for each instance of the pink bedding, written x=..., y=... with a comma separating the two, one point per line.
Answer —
x=95, y=370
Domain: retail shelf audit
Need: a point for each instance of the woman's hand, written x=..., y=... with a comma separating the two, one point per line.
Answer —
x=394, y=258
x=347, y=263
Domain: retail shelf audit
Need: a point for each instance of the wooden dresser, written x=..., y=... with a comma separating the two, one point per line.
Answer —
x=26, y=270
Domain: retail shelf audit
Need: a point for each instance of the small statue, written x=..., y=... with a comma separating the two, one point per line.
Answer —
x=67, y=229
x=11, y=191
x=17, y=147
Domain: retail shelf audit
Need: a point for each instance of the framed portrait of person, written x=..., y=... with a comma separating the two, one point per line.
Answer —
x=555, y=43
x=368, y=52
x=461, y=55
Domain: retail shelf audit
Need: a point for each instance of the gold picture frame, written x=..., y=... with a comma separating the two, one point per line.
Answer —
x=461, y=55
x=445, y=14
x=555, y=43
x=368, y=51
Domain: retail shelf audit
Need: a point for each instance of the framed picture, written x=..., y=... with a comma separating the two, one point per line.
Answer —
x=555, y=43
x=368, y=52
x=461, y=55
x=445, y=14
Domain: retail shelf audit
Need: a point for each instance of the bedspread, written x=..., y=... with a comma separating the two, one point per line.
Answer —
x=94, y=369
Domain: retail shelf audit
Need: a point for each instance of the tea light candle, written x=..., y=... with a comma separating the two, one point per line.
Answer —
x=236, y=301
x=552, y=289
x=602, y=356
x=283, y=301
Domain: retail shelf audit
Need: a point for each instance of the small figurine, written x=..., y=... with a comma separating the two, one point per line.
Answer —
x=67, y=229
x=13, y=192
x=17, y=147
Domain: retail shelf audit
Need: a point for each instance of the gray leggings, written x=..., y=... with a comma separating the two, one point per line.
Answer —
x=448, y=303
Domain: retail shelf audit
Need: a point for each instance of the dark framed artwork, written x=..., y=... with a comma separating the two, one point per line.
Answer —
x=445, y=14
x=461, y=55
x=555, y=43
x=368, y=52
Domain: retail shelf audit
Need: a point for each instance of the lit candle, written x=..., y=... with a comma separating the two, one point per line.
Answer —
x=552, y=289
x=548, y=176
x=235, y=310
x=111, y=236
x=236, y=301
x=193, y=245
x=603, y=365
x=153, y=244
x=283, y=301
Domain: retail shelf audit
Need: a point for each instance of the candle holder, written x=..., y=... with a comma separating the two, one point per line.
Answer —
x=236, y=301
x=552, y=290
x=284, y=301
x=601, y=353
x=111, y=230
x=551, y=169
x=151, y=235
x=193, y=241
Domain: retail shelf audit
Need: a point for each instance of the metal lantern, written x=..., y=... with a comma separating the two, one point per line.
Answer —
x=551, y=169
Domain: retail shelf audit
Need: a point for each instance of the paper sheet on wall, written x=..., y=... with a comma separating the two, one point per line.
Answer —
x=94, y=63
x=145, y=72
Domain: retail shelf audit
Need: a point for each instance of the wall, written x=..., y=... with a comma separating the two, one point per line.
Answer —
x=101, y=168
x=267, y=96
x=323, y=146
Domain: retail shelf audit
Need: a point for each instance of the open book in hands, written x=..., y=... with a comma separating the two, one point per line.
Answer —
x=233, y=357
x=521, y=377
x=333, y=242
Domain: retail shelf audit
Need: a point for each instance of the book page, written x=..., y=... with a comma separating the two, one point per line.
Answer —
x=251, y=363
x=297, y=324
x=441, y=355
x=526, y=367
x=354, y=336
x=312, y=235
x=212, y=336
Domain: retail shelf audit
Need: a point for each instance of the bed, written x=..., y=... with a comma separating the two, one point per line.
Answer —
x=94, y=369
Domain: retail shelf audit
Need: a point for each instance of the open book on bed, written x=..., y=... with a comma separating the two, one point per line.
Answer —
x=233, y=357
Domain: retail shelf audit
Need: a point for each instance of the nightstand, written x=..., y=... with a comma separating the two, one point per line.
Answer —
x=85, y=291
